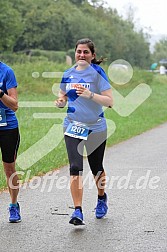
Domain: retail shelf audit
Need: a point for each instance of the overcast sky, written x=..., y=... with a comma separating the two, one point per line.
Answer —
x=148, y=13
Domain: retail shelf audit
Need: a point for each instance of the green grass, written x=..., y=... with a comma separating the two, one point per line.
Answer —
x=150, y=114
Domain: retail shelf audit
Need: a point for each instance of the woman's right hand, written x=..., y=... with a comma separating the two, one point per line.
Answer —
x=60, y=102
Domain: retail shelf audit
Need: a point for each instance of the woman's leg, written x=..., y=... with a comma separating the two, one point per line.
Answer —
x=10, y=140
x=95, y=149
x=12, y=181
x=95, y=159
x=76, y=186
x=76, y=170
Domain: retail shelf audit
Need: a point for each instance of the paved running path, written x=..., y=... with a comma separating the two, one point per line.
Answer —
x=137, y=217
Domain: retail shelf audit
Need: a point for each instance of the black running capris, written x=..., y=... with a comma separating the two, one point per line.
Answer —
x=95, y=147
x=9, y=143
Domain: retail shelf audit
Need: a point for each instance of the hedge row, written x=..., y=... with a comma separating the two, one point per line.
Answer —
x=36, y=55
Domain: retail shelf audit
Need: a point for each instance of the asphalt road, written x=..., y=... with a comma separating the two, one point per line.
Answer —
x=136, y=220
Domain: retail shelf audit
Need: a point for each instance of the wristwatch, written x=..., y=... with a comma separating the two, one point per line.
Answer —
x=1, y=94
x=91, y=95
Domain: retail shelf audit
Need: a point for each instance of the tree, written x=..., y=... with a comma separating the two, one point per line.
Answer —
x=97, y=3
x=10, y=26
x=45, y=26
x=160, y=50
x=77, y=2
x=58, y=24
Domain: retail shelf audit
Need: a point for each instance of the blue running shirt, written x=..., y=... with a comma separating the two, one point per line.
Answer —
x=7, y=81
x=82, y=109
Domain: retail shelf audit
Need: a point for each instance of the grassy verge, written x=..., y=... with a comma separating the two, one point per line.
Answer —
x=40, y=123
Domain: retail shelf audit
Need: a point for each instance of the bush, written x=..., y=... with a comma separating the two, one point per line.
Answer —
x=33, y=56
x=55, y=56
x=20, y=58
x=71, y=53
x=11, y=58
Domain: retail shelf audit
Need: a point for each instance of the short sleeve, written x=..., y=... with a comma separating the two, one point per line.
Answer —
x=10, y=79
x=63, y=84
x=103, y=81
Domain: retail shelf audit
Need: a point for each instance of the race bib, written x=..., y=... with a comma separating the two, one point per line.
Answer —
x=2, y=117
x=77, y=130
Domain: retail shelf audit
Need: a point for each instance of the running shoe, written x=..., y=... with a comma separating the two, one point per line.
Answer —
x=101, y=208
x=14, y=214
x=77, y=218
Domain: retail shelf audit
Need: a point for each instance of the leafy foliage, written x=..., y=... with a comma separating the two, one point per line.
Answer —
x=56, y=25
x=10, y=25
x=160, y=50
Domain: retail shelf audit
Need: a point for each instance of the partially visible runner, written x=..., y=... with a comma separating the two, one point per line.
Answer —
x=9, y=136
x=86, y=88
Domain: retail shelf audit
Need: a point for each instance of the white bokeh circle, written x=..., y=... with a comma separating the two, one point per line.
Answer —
x=35, y=74
x=120, y=72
